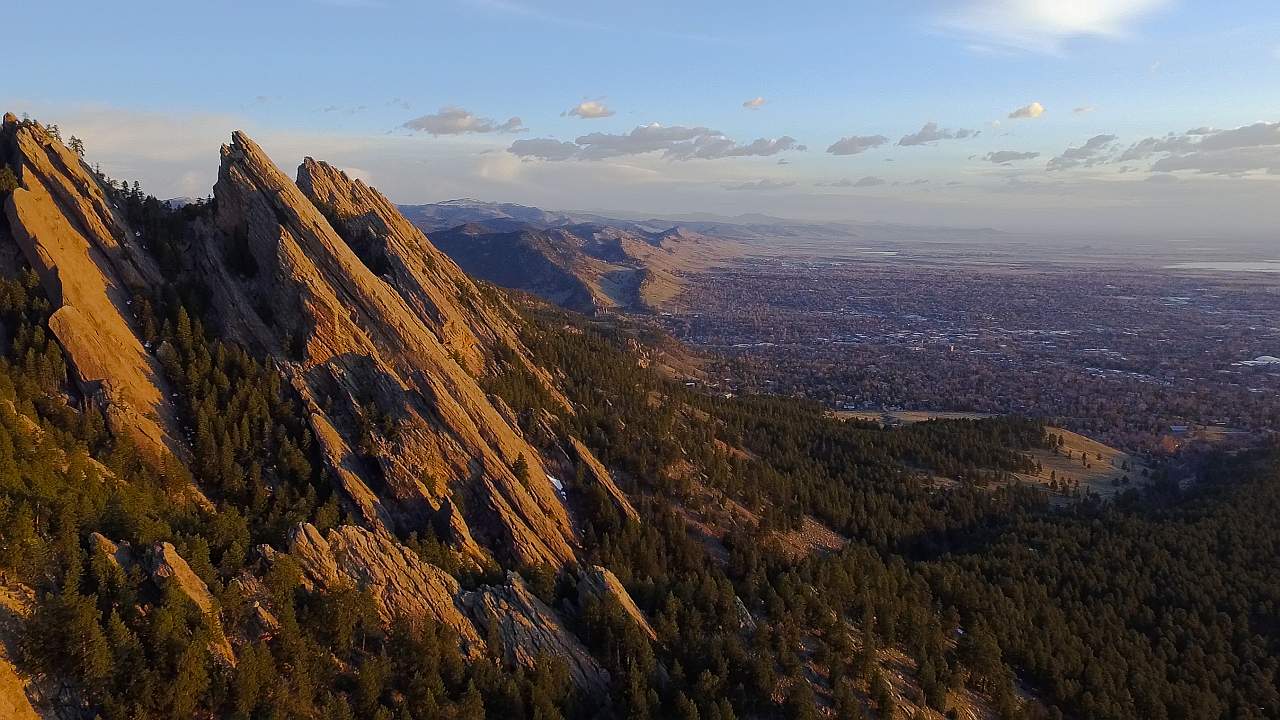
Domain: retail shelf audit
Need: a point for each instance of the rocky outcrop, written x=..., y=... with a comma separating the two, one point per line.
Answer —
x=601, y=585
x=119, y=555
x=470, y=327
x=593, y=470
x=17, y=690
x=527, y=629
x=381, y=334
x=745, y=619
x=523, y=627
x=383, y=338
x=14, y=703
x=169, y=570
x=401, y=584
x=385, y=368
x=89, y=262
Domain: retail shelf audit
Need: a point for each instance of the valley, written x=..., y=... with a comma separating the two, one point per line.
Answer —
x=1135, y=356
x=581, y=262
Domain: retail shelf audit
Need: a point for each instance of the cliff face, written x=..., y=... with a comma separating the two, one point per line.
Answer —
x=89, y=263
x=432, y=284
x=401, y=584
x=382, y=336
x=385, y=341
x=364, y=357
x=526, y=628
x=522, y=626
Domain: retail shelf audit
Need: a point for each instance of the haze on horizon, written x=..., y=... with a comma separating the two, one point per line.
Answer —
x=1123, y=117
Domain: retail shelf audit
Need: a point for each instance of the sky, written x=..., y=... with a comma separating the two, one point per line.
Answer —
x=1114, y=118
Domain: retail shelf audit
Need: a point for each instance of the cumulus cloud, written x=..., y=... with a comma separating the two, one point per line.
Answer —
x=754, y=103
x=1096, y=150
x=1027, y=112
x=932, y=133
x=1004, y=157
x=856, y=144
x=765, y=184
x=1236, y=151
x=868, y=181
x=675, y=143
x=451, y=120
x=1044, y=25
x=590, y=110
x=543, y=149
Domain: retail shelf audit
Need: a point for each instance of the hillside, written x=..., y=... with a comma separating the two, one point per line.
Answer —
x=278, y=455
x=581, y=263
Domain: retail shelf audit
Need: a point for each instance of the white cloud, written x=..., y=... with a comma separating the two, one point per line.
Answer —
x=176, y=155
x=856, y=144
x=932, y=133
x=1096, y=150
x=675, y=142
x=590, y=110
x=452, y=120
x=1044, y=25
x=1027, y=112
x=1084, y=110
x=1004, y=157
x=865, y=182
x=543, y=149
x=765, y=184
x=754, y=103
x=1205, y=150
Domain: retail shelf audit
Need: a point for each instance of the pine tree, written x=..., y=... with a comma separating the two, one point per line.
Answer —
x=8, y=180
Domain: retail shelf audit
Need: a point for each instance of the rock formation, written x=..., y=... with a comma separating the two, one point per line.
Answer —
x=364, y=357
x=602, y=585
x=401, y=583
x=89, y=263
x=385, y=342
x=526, y=629
x=168, y=570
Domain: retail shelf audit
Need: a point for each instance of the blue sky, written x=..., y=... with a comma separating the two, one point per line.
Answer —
x=417, y=97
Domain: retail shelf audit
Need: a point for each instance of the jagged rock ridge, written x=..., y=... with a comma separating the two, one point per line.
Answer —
x=383, y=338
x=402, y=585
x=356, y=347
x=89, y=262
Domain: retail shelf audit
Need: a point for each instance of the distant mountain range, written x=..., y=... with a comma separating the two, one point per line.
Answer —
x=499, y=216
x=583, y=262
